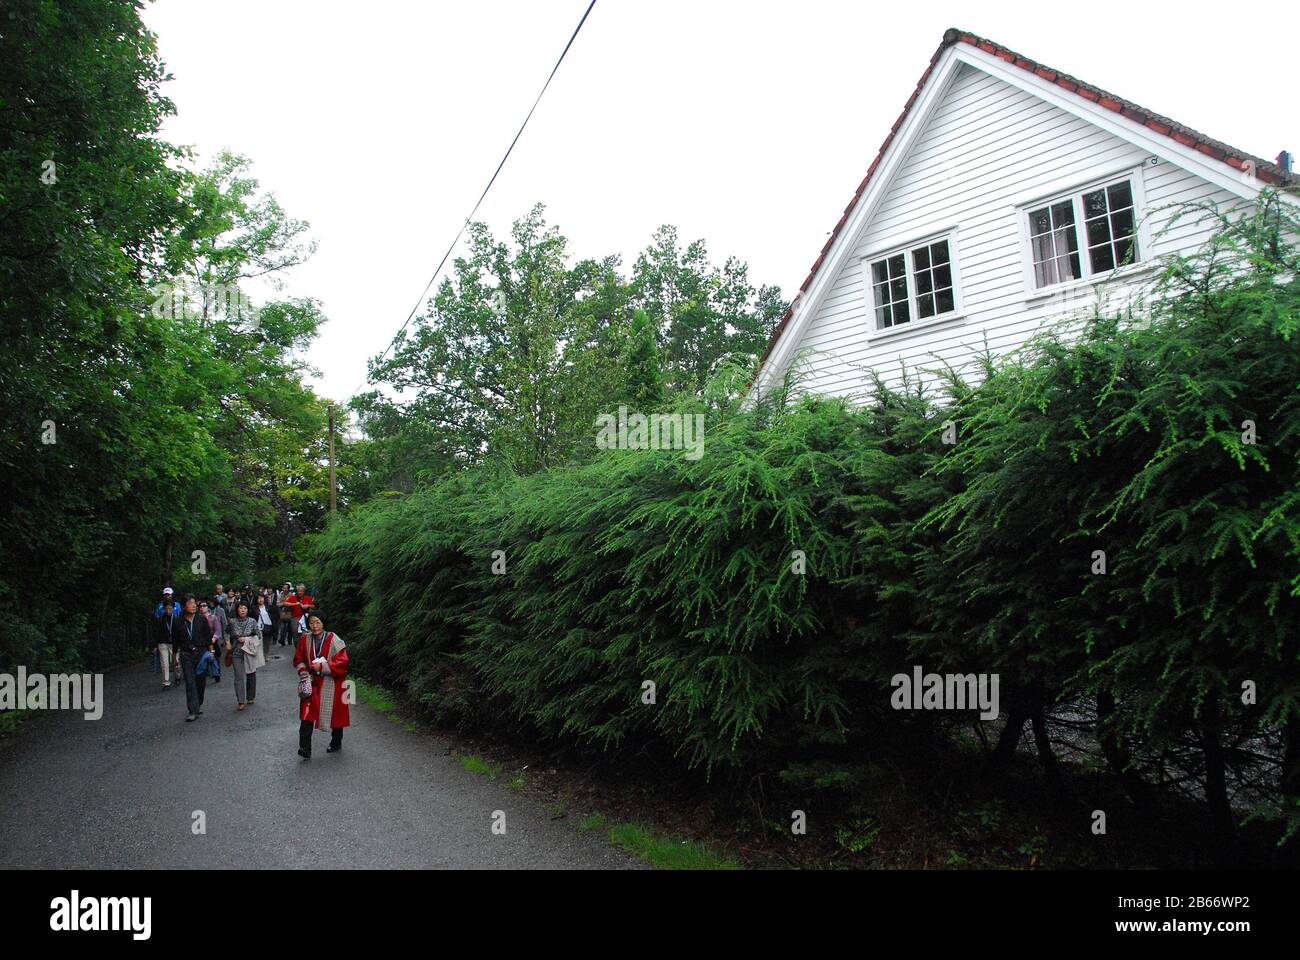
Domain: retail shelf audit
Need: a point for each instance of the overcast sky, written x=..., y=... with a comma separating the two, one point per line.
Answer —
x=748, y=124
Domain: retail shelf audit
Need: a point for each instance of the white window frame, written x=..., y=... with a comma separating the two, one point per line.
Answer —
x=1131, y=175
x=909, y=272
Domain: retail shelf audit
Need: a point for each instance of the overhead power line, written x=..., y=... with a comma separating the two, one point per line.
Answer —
x=466, y=222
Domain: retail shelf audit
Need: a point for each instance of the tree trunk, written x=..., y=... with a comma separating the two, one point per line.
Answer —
x=1007, y=742
x=1116, y=753
x=1045, y=756
x=1216, y=781
x=1291, y=758
x=168, y=545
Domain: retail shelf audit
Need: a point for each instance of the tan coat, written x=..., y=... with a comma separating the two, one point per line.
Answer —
x=254, y=656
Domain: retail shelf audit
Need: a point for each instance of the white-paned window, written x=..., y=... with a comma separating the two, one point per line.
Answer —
x=919, y=283
x=1084, y=234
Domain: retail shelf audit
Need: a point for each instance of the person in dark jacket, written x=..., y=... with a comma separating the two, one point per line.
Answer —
x=192, y=637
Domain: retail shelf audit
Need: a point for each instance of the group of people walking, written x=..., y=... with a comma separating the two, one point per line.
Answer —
x=196, y=633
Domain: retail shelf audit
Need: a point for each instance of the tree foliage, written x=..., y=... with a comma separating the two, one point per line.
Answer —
x=142, y=415
x=520, y=350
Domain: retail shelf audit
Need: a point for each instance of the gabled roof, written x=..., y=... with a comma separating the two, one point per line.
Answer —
x=1237, y=159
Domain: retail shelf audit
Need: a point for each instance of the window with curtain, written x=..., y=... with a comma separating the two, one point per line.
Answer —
x=1083, y=235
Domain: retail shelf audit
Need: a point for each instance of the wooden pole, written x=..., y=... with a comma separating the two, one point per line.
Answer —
x=334, y=493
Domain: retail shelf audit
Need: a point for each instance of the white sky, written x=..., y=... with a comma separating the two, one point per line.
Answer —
x=746, y=123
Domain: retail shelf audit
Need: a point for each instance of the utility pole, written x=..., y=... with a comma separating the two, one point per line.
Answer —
x=334, y=492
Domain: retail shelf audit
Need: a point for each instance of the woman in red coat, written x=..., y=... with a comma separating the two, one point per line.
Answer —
x=323, y=657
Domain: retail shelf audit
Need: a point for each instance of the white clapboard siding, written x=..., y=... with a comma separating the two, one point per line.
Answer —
x=987, y=147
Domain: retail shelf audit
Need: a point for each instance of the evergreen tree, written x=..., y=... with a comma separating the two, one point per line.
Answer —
x=644, y=391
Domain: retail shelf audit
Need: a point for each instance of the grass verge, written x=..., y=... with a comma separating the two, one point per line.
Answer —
x=478, y=765
x=374, y=696
x=665, y=853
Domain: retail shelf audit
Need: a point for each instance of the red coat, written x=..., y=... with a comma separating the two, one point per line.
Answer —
x=338, y=671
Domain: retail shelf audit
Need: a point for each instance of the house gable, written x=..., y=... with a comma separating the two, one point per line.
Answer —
x=984, y=134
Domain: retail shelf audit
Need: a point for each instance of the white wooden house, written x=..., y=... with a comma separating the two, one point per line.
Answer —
x=1007, y=196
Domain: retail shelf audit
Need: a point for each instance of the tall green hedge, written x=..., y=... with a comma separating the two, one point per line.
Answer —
x=979, y=555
